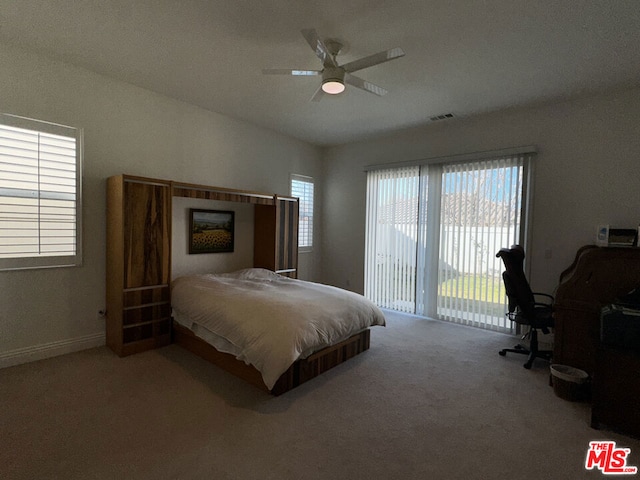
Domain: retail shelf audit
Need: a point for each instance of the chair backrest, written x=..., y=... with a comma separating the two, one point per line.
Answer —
x=516, y=284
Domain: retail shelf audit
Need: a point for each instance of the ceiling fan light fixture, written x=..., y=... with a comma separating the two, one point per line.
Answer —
x=332, y=87
x=333, y=81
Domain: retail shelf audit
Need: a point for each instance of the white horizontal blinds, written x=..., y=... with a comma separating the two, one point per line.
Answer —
x=38, y=196
x=391, y=237
x=302, y=188
x=481, y=209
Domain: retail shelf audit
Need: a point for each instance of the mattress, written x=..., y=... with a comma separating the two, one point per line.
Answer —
x=267, y=320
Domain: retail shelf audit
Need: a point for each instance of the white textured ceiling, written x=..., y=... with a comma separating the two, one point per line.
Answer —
x=462, y=56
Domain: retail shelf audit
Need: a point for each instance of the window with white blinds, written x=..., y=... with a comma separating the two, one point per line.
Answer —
x=433, y=230
x=39, y=194
x=302, y=188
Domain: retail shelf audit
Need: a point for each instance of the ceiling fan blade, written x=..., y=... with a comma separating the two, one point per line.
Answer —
x=288, y=71
x=318, y=46
x=364, y=85
x=317, y=96
x=374, y=59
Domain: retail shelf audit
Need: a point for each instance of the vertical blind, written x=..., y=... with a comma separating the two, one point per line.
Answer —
x=39, y=196
x=432, y=234
x=481, y=209
x=391, y=232
x=302, y=188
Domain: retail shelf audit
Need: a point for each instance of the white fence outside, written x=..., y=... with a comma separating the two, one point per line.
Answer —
x=470, y=250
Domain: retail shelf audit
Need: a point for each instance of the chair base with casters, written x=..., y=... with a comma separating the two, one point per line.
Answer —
x=533, y=352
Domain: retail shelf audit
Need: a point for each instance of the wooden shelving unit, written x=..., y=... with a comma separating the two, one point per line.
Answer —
x=138, y=264
x=276, y=236
x=139, y=252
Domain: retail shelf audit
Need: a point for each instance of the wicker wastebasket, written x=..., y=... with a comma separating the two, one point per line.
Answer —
x=570, y=383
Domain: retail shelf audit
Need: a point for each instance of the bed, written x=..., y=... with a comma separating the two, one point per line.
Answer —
x=275, y=332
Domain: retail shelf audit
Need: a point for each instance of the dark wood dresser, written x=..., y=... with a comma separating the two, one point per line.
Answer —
x=596, y=278
x=616, y=391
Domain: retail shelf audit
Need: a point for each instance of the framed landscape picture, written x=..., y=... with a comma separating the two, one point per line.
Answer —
x=211, y=231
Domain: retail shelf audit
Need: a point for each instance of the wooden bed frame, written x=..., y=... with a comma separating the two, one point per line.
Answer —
x=299, y=373
x=139, y=219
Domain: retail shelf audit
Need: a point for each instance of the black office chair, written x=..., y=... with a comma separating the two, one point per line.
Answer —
x=523, y=307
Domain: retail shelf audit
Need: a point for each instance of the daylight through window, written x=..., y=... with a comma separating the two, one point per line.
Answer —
x=39, y=194
x=302, y=188
x=433, y=230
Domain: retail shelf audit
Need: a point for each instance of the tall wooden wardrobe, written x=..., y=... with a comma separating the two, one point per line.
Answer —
x=139, y=252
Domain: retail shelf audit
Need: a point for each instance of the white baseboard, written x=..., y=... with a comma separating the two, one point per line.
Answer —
x=48, y=350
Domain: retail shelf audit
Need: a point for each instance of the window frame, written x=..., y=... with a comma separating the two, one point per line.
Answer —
x=294, y=177
x=51, y=261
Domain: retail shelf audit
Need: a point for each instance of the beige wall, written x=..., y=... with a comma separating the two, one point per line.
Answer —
x=134, y=131
x=587, y=173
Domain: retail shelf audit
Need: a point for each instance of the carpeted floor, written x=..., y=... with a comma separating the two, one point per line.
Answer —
x=429, y=400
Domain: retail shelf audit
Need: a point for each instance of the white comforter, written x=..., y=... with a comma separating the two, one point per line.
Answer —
x=271, y=320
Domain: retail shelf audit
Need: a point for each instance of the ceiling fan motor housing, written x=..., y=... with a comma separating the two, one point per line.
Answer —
x=333, y=74
x=333, y=80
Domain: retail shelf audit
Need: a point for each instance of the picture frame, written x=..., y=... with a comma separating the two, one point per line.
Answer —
x=211, y=231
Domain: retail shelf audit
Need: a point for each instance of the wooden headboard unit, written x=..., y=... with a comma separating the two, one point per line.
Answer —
x=139, y=252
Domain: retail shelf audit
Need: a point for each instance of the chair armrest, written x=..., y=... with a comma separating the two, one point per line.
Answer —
x=550, y=297
x=543, y=306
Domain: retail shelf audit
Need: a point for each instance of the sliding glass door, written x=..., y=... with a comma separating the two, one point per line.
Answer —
x=481, y=212
x=432, y=234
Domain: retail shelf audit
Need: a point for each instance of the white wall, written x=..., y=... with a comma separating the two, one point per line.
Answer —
x=134, y=131
x=587, y=173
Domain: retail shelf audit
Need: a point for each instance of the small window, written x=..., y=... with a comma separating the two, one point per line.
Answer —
x=40, y=179
x=302, y=188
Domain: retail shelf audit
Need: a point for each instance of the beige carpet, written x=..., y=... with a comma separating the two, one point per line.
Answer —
x=429, y=400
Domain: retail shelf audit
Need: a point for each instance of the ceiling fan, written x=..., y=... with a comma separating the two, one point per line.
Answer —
x=334, y=76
